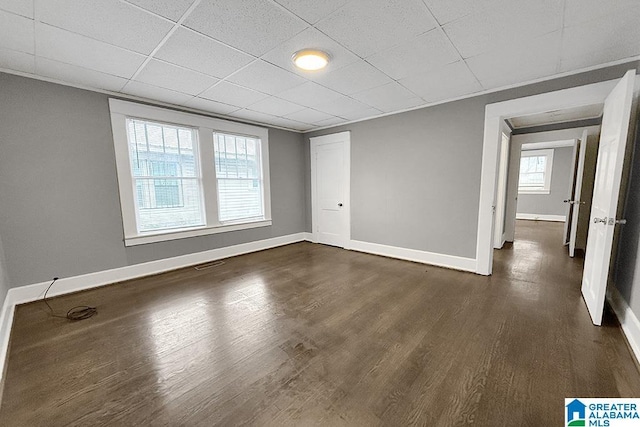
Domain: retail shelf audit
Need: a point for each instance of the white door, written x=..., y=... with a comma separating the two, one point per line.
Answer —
x=330, y=175
x=613, y=141
x=501, y=193
x=575, y=207
x=571, y=196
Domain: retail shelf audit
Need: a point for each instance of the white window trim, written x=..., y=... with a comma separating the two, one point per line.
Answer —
x=206, y=126
x=547, y=173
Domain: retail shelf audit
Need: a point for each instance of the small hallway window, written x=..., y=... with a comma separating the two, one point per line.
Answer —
x=535, y=171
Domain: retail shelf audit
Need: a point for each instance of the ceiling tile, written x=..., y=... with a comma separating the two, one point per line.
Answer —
x=290, y=124
x=449, y=10
x=331, y=122
x=16, y=32
x=605, y=40
x=70, y=48
x=231, y=94
x=254, y=26
x=155, y=93
x=342, y=106
x=110, y=21
x=78, y=75
x=594, y=59
x=275, y=106
x=282, y=54
x=171, y=9
x=536, y=58
x=18, y=61
x=362, y=114
x=20, y=7
x=308, y=115
x=365, y=28
x=505, y=27
x=581, y=11
x=425, y=52
x=309, y=94
x=449, y=81
x=192, y=50
x=212, y=106
x=312, y=10
x=266, y=77
x=252, y=115
x=169, y=76
x=354, y=78
x=390, y=97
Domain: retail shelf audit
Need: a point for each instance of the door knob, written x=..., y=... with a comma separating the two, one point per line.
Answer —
x=340, y=204
x=617, y=221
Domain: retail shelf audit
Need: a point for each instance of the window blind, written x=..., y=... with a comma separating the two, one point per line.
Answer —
x=165, y=175
x=239, y=177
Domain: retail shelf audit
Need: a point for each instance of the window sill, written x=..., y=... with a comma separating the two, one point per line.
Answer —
x=183, y=233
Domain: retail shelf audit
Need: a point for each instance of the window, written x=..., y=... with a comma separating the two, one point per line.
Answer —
x=183, y=175
x=237, y=160
x=535, y=171
x=165, y=174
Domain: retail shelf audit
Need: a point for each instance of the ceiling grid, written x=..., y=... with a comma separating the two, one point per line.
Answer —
x=233, y=57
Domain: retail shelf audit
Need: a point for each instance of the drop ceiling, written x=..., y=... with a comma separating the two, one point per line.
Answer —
x=233, y=57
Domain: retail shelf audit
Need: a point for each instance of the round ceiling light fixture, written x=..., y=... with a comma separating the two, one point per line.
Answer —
x=310, y=60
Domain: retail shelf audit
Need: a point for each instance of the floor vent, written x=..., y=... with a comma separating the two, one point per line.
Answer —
x=208, y=265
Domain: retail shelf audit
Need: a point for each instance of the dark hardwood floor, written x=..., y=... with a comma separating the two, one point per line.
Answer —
x=308, y=334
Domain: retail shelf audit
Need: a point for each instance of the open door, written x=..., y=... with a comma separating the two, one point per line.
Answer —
x=575, y=203
x=571, y=195
x=613, y=142
x=501, y=191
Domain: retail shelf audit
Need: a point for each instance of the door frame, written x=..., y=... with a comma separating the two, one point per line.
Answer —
x=314, y=142
x=494, y=115
x=573, y=232
x=566, y=237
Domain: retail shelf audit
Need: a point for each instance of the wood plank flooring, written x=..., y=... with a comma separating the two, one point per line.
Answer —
x=313, y=335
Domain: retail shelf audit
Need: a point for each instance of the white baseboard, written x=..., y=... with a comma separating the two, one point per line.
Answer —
x=628, y=320
x=308, y=236
x=6, y=320
x=67, y=285
x=540, y=217
x=441, y=260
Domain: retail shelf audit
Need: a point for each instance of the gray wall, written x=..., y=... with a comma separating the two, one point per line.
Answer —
x=60, y=212
x=552, y=203
x=407, y=170
x=415, y=176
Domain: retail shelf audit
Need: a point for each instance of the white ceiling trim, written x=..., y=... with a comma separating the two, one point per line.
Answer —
x=211, y=114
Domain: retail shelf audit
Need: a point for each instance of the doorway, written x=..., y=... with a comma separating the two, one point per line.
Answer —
x=549, y=169
x=330, y=189
x=617, y=98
